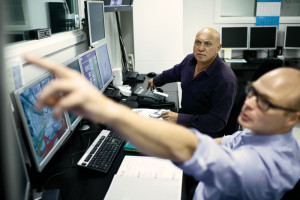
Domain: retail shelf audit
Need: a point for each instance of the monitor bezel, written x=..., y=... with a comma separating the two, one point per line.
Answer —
x=83, y=54
x=39, y=166
x=236, y=48
x=103, y=42
x=285, y=35
x=79, y=118
x=87, y=14
x=262, y=48
x=27, y=187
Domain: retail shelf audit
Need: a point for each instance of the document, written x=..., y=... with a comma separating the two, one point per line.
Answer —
x=146, y=112
x=147, y=178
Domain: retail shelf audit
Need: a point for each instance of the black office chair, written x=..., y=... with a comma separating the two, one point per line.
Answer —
x=267, y=66
x=293, y=194
x=232, y=124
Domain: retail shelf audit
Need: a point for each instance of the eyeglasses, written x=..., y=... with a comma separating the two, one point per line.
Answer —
x=262, y=103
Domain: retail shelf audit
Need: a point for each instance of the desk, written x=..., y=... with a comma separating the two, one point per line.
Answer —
x=245, y=71
x=79, y=183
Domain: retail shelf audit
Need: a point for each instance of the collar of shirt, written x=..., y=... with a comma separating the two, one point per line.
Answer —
x=210, y=69
x=278, y=139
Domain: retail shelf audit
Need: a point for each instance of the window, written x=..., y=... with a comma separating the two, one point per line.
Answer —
x=244, y=11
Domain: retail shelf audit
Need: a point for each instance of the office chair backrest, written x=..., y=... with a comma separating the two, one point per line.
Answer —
x=232, y=124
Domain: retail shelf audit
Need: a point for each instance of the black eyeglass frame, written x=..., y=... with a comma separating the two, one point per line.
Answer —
x=261, y=100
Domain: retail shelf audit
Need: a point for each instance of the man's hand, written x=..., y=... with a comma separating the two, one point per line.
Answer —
x=151, y=85
x=169, y=116
x=78, y=95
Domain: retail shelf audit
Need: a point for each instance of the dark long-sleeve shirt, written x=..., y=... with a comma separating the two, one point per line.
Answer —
x=207, y=99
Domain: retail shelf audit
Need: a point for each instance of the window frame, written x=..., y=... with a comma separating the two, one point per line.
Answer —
x=219, y=19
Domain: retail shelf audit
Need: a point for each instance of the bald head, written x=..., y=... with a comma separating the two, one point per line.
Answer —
x=211, y=31
x=284, y=83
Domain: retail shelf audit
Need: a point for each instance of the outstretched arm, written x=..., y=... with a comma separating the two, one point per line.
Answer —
x=154, y=137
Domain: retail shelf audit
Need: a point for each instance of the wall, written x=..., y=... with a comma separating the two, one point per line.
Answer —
x=198, y=14
x=157, y=29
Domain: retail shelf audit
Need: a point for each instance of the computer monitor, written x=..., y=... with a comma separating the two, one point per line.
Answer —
x=117, y=2
x=90, y=68
x=43, y=132
x=94, y=14
x=292, y=39
x=74, y=119
x=23, y=189
x=263, y=37
x=235, y=37
x=104, y=63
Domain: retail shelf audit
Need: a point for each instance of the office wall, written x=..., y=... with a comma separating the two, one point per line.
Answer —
x=157, y=29
x=198, y=14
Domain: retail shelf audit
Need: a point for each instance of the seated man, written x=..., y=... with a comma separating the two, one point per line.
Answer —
x=208, y=86
x=262, y=162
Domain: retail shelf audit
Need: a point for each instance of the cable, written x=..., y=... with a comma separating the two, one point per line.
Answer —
x=122, y=46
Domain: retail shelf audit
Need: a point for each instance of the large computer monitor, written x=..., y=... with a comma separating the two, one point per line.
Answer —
x=74, y=119
x=292, y=39
x=235, y=37
x=263, y=37
x=90, y=68
x=94, y=14
x=43, y=132
x=104, y=63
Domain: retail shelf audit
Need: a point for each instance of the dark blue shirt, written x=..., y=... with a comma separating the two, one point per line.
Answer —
x=207, y=99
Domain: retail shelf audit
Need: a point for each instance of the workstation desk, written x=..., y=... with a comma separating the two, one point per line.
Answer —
x=246, y=71
x=75, y=182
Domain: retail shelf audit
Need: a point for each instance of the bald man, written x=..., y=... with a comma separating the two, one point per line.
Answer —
x=208, y=86
x=262, y=162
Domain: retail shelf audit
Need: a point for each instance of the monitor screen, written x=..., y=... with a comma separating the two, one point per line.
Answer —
x=117, y=2
x=74, y=119
x=292, y=37
x=263, y=37
x=104, y=62
x=235, y=37
x=95, y=18
x=90, y=68
x=44, y=133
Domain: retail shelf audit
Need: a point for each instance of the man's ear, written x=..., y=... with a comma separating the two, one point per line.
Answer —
x=218, y=48
x=294, y=119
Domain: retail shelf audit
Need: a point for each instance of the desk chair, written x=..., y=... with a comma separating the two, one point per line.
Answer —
x=232, y=124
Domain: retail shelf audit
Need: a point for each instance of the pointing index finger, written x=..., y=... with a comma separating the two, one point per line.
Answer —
x=53, y=67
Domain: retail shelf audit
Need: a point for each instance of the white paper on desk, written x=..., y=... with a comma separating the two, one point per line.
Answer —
x=146, y=178
x=149, y=167
x=128, y=188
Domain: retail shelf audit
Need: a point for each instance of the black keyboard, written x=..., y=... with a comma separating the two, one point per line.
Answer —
x=101, y=154
x=154, y=95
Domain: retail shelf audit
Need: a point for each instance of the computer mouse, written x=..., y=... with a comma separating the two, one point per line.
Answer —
x=159, y=89
x=151, y=74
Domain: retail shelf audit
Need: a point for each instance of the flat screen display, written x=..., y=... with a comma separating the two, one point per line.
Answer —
x=90, y=68
x=292, y=37
x=96, y=23
x=74, y=119
x=263, y=37
x=44, y=133
x=235, y=37
x=104, y=62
